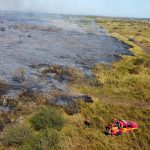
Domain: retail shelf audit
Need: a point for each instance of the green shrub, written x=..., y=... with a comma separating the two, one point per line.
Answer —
x=45, y=140
x=138, y=61
x=48, y=118
x=16, y=135
x=134, y=70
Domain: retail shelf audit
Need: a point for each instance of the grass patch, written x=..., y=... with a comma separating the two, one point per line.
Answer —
x=120, y=90
x=16, y=135
x=47, y=139
x=100, y=113
x=127, y=80
x=138, y=30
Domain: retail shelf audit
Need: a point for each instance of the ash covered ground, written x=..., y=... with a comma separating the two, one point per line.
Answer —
x=31, y=42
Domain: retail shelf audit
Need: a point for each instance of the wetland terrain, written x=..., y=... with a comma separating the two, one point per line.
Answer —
x=58, y=71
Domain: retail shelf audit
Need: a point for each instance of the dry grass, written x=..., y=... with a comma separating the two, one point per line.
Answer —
x=131, y=29
x=62, y=73
x=77, y=136
x=119, y=90
x=3, y=87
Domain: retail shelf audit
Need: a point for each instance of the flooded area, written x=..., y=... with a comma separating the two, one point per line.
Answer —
x=30, y=42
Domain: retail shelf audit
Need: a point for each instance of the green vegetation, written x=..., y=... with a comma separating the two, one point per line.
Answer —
x=38, y=132
x=48, y=118
x=100, y=113
x=125, y=81
x=48, y=139
x=120, y=90
x=21, y=137
x=16, y=135
x=137, y=31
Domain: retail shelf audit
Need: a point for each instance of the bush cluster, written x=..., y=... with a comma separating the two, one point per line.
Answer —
x=48, y=118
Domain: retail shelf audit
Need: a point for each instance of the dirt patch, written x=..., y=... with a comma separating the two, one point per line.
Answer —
x=69, y=101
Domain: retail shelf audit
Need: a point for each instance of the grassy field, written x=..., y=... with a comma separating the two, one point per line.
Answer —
x=120, y=90
x=135, y=30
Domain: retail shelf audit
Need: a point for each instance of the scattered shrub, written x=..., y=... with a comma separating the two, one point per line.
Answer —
x=134, y=70
x=115, y=28
x=16, y=135
x=48, y=118
x=138, y=61
x=45, y=140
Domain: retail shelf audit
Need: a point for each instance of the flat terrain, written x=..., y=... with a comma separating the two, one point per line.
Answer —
x=136, y=30
x=104, y=64
x=71, y=41
x=120, y=90
x=30, y=42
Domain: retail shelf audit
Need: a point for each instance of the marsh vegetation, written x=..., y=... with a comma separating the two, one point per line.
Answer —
x=56, y=120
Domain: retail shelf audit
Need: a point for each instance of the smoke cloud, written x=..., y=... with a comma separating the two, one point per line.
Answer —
x=127, y=8
x=49, y=6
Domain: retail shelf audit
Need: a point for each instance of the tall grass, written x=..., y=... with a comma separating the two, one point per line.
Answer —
x=120, y=90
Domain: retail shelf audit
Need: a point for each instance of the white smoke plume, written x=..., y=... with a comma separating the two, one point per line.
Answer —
x=126, y=8
x=49, y=6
